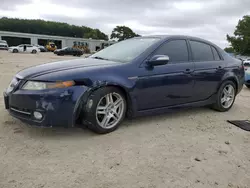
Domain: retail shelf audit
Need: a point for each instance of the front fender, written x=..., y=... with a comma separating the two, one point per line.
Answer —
x=125, y=84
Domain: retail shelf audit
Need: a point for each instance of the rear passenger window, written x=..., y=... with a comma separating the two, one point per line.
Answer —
x=201, y=51
x=216, y=55
x=176, y=50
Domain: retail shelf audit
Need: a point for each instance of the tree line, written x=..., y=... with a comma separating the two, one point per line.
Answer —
x=240, y=41
x=50, y=28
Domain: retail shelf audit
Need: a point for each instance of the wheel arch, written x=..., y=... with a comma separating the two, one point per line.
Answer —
x=127, y=97
x=83, y=100
x=15, y=49
x=230, y=77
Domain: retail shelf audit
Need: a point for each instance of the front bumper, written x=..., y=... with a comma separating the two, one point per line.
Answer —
x=58, y=106
x=3, y=48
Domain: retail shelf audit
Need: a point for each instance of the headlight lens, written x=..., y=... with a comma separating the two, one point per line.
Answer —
x=34, y=85
x=12, y=85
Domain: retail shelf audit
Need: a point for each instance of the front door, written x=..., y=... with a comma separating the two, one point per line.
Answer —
x=67, y=51
x=170, y=84
x=20, y=48
x=209, y=69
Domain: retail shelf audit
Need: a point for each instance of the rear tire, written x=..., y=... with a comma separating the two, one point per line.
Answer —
x=105, y=110
x=15, y=51
x=34, y=52
x=225, y=99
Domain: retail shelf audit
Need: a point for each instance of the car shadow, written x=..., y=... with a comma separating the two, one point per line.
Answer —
x=142, y=120
x=81, y=132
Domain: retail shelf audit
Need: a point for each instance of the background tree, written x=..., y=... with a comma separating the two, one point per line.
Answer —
x=229, y=49
x=241, y=39
x=122, y=33
x=50, y=28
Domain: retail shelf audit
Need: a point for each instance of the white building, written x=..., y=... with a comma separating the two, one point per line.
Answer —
x=14, y=38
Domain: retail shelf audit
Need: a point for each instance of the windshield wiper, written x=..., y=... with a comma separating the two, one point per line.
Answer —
x=101, y=58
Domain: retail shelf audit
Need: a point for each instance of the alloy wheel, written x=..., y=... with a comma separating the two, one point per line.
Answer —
x=228, y=95
x=109, y=110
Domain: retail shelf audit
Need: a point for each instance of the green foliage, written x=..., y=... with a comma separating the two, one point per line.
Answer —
x=229, y=49
x=241, y=39
x=122, y=33
x=49, y=28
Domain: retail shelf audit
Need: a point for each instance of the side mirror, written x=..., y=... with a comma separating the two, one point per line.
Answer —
x=157, y=60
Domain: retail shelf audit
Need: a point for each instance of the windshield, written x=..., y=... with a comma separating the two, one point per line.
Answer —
x=126, y=50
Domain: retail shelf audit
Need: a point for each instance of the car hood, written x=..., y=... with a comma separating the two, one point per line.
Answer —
x=47, y=68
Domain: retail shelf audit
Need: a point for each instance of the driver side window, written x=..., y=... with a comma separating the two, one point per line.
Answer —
x=176, y=50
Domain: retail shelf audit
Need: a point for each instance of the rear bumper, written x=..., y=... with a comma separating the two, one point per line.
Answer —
x=57, y=106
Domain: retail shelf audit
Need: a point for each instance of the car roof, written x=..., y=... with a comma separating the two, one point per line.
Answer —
x=165, y=37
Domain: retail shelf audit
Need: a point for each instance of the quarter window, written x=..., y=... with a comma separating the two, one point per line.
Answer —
x=176, y=50
x=216, y=55
x=201, y=51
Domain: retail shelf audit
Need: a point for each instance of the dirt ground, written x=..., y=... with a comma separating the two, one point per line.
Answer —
x=193, y=148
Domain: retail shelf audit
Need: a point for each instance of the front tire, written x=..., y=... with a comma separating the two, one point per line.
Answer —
x=105, y=110
x=225, y=96
x=34, y=52
x=15, y=51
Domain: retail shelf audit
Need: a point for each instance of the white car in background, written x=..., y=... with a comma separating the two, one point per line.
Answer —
x=24, y=48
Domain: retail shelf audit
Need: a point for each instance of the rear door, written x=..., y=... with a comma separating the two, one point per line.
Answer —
x=209, y=69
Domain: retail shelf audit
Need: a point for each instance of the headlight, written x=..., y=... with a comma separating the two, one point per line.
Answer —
x=34, y=85
x=12, y=85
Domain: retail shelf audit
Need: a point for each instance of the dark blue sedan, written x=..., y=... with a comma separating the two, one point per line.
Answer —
x=138, y=76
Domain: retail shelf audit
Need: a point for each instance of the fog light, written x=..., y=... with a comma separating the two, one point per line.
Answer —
x=38, y=115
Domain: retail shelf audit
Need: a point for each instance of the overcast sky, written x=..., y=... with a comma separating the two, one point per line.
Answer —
x=209, y=19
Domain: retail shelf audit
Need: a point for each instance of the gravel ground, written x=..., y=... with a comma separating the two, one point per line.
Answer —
x=193, y=148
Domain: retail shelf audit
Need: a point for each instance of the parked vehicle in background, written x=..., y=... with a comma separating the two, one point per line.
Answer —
x=84, y=46
x=3, y=45
x=24, y=48
x=246, y=63
x=69, y=51
x=247, y=78
x=41, y=48
x=138, y=76
x=51, y=46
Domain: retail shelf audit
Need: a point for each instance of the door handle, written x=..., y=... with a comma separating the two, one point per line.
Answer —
x=188, y=71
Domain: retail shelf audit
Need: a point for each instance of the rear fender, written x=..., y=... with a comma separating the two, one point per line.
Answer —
x=229, y=76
